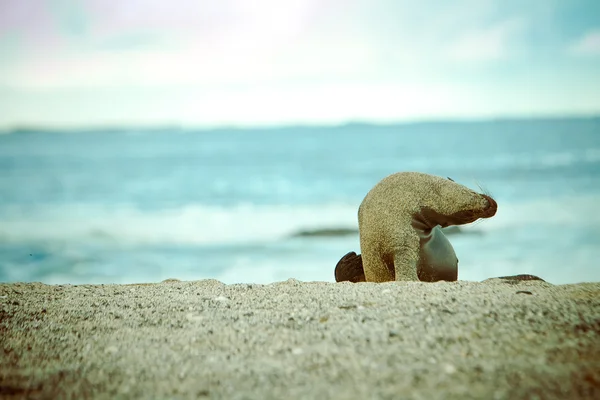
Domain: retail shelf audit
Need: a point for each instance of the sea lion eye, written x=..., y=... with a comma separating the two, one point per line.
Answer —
x=450, y=179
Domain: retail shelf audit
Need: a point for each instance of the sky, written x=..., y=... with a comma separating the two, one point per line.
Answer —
x=272, y=62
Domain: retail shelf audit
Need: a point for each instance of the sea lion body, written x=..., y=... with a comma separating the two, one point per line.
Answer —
x=437, y=261
x=399, y=224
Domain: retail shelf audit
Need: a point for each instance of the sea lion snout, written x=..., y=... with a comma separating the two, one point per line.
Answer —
x=491, y=208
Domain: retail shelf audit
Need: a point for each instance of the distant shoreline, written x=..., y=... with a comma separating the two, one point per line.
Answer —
x=187, y=128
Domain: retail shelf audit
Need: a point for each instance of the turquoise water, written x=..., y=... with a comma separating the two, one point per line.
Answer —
x=142, y=206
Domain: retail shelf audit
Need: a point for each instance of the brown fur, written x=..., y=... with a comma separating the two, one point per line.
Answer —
x=350, y=268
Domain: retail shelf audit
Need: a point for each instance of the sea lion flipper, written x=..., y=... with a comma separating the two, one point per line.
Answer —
x=350, y=268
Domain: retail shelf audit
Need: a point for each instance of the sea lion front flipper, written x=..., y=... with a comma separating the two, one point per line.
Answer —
x=350, y=268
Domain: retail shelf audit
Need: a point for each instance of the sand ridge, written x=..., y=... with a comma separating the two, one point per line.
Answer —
x=495, y=339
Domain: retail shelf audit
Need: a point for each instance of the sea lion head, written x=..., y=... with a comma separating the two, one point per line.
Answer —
x=457, y=204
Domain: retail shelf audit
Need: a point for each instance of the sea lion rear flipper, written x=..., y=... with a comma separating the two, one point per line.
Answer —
x=350, y=268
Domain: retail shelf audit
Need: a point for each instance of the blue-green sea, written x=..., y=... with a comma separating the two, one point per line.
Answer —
x=144, y=205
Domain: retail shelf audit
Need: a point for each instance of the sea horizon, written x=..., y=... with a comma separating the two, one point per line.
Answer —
x=201, y=128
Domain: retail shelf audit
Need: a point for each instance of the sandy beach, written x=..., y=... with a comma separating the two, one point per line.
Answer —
x=495, y=339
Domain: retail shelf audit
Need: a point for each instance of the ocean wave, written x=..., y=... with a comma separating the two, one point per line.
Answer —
x=509, y=161
x=249, y=224
x=190, y=225
x=547, y=159
x=550, y=212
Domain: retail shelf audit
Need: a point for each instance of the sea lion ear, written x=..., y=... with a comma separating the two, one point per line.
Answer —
x=450, y=179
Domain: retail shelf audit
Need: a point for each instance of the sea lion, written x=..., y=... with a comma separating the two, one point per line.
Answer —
x=399, y=224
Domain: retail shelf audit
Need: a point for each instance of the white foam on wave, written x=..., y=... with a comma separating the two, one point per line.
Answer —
x=515, y=160
x=572, y=265
x=552, y=212
x=546, y=159
x=189, y=225
x=243, y=224
x=277, y=270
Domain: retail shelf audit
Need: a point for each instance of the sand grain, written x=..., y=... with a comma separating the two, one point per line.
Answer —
x=204, y=339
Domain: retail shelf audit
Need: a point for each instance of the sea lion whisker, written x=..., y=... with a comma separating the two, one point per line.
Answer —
x=484, y=190
x=477, y=222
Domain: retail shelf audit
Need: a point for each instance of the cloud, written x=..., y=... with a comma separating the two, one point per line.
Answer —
x=232, y=43
x=234, y=61
x=330, y=103
x=587, y=45
x=494, y=43
x=139, y=43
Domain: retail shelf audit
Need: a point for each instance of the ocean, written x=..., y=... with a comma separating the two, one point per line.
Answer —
x=254, y=205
